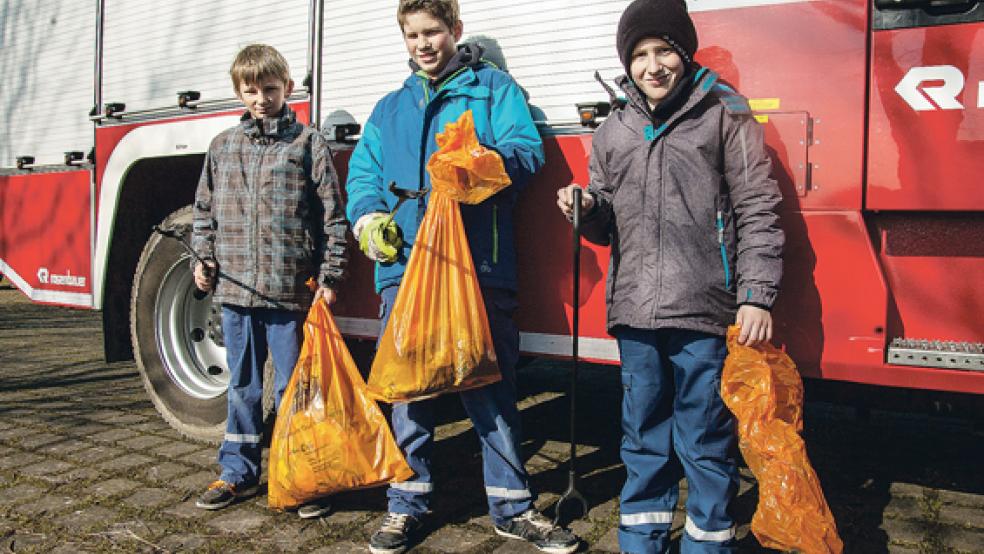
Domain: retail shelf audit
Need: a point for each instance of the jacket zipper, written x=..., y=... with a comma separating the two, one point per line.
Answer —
x=659, y=238
x=724, y=250
x=495, y=234
x=421, y=163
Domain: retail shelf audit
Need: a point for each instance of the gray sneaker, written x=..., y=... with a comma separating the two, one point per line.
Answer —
x=220, y=494
x=394, y=535
x=531, y=526
x=313, y=509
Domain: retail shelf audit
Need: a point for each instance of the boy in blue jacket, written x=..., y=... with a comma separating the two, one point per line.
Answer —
x=396, y=144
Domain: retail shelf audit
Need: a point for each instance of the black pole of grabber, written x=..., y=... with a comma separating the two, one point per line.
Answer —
x=571, y=495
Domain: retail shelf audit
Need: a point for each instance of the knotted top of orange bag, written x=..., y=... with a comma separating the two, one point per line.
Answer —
x=463, y=169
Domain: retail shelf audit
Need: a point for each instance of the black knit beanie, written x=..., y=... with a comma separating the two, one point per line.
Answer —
x=664, y=19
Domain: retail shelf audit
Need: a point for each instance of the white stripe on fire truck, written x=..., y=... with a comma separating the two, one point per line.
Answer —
x=172, y=139
x=530, y=343
x=80, y=299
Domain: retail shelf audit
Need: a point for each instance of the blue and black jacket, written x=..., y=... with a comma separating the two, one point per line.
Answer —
x=399, y=138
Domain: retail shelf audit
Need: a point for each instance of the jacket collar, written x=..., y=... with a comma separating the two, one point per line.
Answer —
x=467, y=56
x=695, y=86
x=271, y=128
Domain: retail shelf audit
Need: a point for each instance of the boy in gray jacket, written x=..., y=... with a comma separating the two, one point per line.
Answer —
x=680, y=189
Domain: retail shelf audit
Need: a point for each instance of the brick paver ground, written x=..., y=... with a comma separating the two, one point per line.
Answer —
x=87, y=465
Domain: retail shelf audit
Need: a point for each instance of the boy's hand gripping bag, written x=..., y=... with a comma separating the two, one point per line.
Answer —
x=437, y=339
x=329, y=436
x=762, y=387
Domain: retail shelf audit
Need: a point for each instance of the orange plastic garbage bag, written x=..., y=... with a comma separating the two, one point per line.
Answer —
x=330, y=436
x=437, y=339
x=762, y=387
x=463, y=169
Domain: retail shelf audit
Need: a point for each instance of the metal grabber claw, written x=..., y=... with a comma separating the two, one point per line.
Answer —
x=572, y=495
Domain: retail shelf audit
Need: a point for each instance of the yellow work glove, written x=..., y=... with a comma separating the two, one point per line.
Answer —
x=378, y=236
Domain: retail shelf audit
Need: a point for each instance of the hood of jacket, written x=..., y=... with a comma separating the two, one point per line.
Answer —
x=468, y=55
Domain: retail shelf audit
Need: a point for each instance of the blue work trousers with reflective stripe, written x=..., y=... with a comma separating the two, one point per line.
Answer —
x=248, y=333
x=675, y=424
x=493, y=412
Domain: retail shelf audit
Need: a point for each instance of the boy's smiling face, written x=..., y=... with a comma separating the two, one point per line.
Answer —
x=656, y=69
x=265, y=98
x=429, y=41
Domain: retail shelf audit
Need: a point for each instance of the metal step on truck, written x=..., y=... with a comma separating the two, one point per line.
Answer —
x=873, y=112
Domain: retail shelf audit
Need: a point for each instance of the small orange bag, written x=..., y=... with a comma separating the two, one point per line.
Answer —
x=330, y=436
x=762, y=387
x=437, y=339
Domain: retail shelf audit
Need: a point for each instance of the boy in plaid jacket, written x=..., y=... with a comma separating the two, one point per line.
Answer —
x=268, y=216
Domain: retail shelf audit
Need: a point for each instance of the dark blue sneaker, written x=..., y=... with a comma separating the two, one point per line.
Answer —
x=531, y=526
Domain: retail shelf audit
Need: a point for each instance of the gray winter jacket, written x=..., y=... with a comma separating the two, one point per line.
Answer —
x=689, y=209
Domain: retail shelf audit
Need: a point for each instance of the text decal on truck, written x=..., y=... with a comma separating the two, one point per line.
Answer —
x=68, y=280
x=947, y=82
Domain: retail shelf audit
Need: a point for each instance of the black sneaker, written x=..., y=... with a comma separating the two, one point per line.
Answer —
x=531, y=526
x=313, y=509
x=220, y=494
x=393, y=536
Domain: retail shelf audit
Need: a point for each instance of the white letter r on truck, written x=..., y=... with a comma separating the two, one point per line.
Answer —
x=944, y=95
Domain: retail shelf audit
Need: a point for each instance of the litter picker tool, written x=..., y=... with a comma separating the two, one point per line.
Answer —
x=209, y=267
x=572, y=495
x=403, y=195
x=383, y=234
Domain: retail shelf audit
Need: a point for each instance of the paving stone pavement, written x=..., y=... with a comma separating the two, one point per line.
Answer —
x=87, y=465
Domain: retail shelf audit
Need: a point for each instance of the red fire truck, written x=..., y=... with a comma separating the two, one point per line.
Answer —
x=873, y=111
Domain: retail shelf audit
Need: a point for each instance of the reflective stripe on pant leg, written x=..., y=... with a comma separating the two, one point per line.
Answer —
x=246, y=351
x=508, y=494
x=410, y=486
x=493, y=412
x=699, y=534
x=646, y=518
x=249, y=439
x=703, y=429
x=650, y=492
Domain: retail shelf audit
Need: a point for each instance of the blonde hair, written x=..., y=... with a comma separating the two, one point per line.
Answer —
x=445, y=10
x=257, y=62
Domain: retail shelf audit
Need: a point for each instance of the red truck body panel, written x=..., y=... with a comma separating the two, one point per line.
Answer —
x=45, y=231
x=877, y=158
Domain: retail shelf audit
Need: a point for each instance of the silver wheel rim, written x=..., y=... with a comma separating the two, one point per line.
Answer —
x=193, y=360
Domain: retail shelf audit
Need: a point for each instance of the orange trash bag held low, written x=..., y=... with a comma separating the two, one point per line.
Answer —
x=329, y=436
x=437, y=339
x=762, y=387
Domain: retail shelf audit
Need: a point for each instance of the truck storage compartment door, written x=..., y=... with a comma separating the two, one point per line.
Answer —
x=45, y=235
x=926, y=132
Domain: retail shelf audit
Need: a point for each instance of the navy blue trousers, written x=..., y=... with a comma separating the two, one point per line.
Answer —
x=249, y=332
x=493, y=413
x=675, y=424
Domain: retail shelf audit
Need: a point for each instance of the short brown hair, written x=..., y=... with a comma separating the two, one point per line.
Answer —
x=257, y=62
x=445, y=10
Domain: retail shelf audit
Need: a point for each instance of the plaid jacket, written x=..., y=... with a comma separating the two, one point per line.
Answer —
x=268, y=210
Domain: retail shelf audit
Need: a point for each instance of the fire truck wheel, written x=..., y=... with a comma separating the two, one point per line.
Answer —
x=177, y=338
